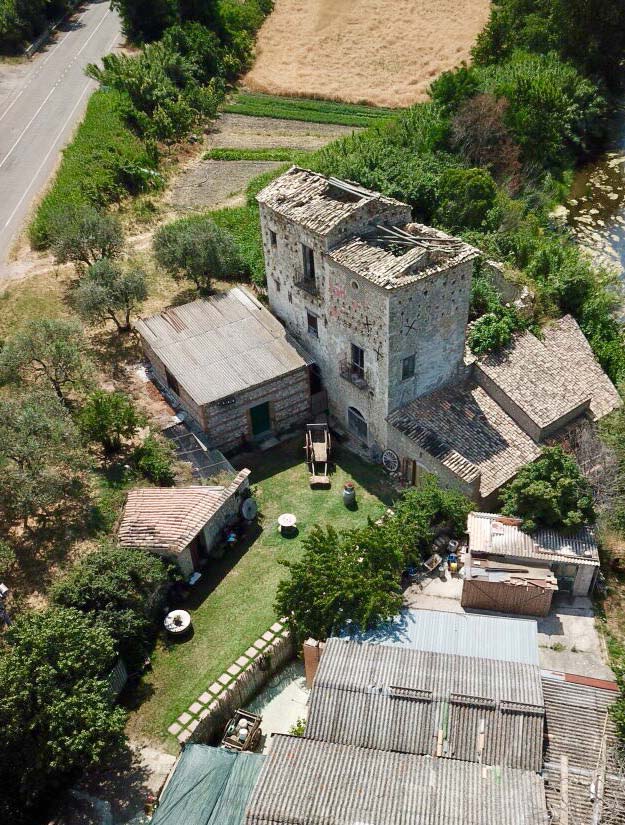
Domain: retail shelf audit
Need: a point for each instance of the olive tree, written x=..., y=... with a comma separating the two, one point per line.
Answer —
x=84, y=235
x=109, y=417
x=108, y=291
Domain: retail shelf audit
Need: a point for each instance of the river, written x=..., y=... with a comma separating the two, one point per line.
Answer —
x=596, y=208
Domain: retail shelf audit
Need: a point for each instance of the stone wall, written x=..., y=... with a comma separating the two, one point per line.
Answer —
x=194, y=410
x=229, y=510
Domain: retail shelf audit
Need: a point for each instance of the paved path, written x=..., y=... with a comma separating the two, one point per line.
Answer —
x=39, y=111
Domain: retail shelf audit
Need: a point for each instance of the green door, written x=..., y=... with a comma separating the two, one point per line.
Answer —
x=261, y=420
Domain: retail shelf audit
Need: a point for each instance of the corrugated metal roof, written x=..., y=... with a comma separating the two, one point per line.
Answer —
x=304, y=782
x=464, y=634
x=397, y=699
x=222, y=345
x=320, y=204
x=166, y=519
x=506, y=539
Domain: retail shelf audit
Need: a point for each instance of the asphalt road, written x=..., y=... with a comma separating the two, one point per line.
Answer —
x=42, y=108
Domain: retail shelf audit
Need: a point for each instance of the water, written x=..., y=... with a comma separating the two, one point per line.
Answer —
x=596, y=209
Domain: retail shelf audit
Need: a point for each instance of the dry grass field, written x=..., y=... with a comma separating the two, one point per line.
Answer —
x=382, y=52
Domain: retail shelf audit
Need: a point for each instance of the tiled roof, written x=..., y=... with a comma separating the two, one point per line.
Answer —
x=397, y=699
x=365, y=256
x=166, y=519
x=505, y=539
x=465, y=634
x=304, y=782
x=578, y=726
x=320, y=204
x=551, y=377
x=222, y=345
x=469, y=433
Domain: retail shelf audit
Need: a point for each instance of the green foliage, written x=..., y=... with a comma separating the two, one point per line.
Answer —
x=588, y=33
x=154, y=458
x=104, y=162
x=24, y=20
x=119, y=589
x=147, y=20
x=302, y=109
x=466, y=198
x=7, y=557
x=198, y=249
x=109, y=417
x=85, y=235
x=40, y=457
x=494, y=330
x=551, y=492
x=299, y=728
x=290, y=155
x=454, y=87
x=47, y=352
x=57, y=715
x=243, y=224
x=110, y=291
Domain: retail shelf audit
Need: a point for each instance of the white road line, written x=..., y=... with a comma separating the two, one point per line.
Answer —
x=91, y=36
x=27, y=127
x=45, y=160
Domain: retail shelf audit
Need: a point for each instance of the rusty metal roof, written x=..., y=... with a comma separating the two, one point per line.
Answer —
x=398, y=699
x=303, y=781
x=493, y=533
x=219, y=346
x=166, y=519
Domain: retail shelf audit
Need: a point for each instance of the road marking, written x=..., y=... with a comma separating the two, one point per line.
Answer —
x=27, y=127
x=52, y=148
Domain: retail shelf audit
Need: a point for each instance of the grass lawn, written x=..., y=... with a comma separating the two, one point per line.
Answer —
x=300, y=108
x=233, y=603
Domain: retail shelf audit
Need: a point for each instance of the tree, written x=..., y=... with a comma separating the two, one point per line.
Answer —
x=197, y=249
x=109, y=292
x=57, y=715
x=47, y=352
x=41, y=460
x=154, y=458
x=109, y=417
x=551, y=492
x=85, y=235
x=121, y=590
x=342, y=578
x=466, y=197
x=147, y=20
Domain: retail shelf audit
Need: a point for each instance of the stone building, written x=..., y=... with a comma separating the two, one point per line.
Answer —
x=382, y=305
x=231, y=365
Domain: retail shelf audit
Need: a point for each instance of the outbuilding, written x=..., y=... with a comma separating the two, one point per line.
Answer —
x=183, y=524
x=232, y=366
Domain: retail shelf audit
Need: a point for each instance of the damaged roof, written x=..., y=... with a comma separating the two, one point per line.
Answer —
x=303, y=781
x=219, y=346
x=322, y=204
x=499, y=535
x=398, y=699
x=167, y=519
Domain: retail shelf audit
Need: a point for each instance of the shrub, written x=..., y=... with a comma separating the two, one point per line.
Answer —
x=104, y=162
x=466, y=198
x=551, y=492
x=7, y=558
x=109, y=417
x=494, y=330
x=198, y=249
x=155, y=459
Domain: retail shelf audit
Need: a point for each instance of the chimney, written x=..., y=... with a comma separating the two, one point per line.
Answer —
x=312, y=654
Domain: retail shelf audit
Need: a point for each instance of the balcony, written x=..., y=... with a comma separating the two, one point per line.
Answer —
x=355, y=374
x=309, y=285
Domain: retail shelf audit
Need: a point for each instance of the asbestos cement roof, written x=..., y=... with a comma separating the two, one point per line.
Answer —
x=327, y=784
x=469, y=433
x=578, y=727
x=167, y=519
x=463, y=634
x=219, y=346
x=321, y=204
x=397, y=699
x=494, y=534
x=374, y=260
x=548, y=378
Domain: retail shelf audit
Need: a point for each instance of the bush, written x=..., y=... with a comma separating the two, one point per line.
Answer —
x=494, y=330
x=7, y=558
x=198, y=249
x=466, y=198
x=551, y=492
x=119, y=589
x=155, y=460
x=109, y=417
x=104, y=162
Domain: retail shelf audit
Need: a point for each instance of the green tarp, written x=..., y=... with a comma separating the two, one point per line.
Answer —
x=210, y=786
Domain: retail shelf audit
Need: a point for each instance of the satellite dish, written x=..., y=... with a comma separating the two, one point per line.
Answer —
x=249, y=509
x=390, y=461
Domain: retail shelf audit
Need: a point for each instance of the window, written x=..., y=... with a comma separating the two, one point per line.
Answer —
x=313, y=324
x=358, y=362
x=407, y=367
x=309, y=263
x=273, y=238
x=357, y=423
x=172, y=382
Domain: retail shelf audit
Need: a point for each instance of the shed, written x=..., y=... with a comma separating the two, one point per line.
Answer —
x=574, y=560
x=507, y=587
x=183, y=524
x=231, y=365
